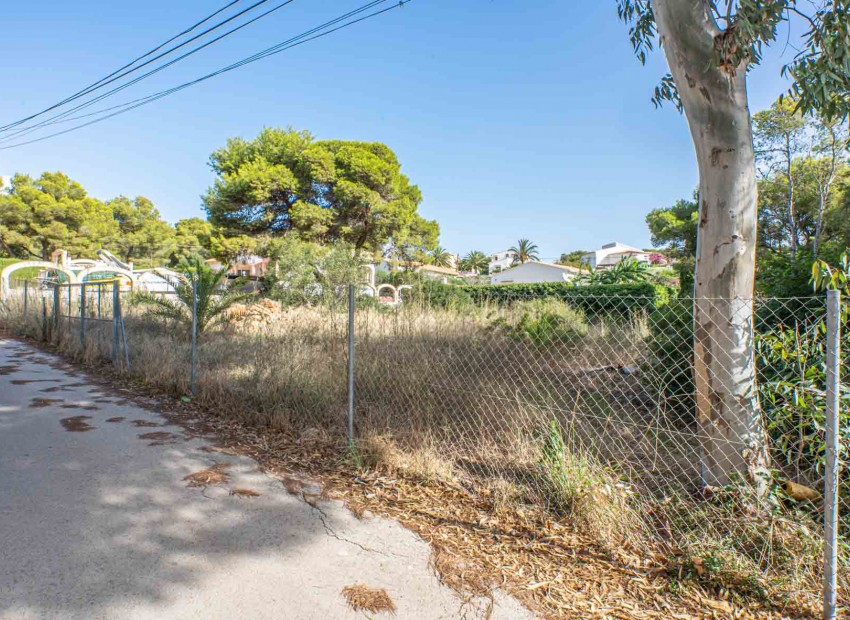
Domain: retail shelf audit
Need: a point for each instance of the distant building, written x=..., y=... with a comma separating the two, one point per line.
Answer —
x=533, y=272
x=501, y=261
x=246, y=266
x=611, y=254
x=437, y=273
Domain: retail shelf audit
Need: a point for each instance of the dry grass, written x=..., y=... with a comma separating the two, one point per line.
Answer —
x=244, y=492
x=422, y=462
x=217, y=474
x=457, y=401
x=40, y=403
x=361, y=597
x=77, y=424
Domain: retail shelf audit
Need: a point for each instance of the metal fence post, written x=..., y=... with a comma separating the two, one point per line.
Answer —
x=43, y=318
x=57, y=308
x=26, y=297
x=351, y=363
x=194, y=354
x=124, y=335
x=830, y=517
x=115, y=322
x=82, y=314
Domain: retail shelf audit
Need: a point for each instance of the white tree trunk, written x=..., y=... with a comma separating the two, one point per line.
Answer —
x=792, y=219
x=715, y=104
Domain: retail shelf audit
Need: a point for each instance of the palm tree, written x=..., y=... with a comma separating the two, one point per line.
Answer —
x=525, y=251
x=212, y=296
x=476, y=261
x=627, y=271
x=440, y=257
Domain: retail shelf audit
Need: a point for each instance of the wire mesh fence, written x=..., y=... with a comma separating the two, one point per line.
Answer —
x=695, y=428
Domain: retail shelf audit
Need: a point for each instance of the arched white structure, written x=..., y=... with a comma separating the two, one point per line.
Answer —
x=370, y=278
x=81, y=276
x=6, y=274
x=158, y=280
x=396, y=299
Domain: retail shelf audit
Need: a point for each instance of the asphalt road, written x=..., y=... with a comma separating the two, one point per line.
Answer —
x=98, y=522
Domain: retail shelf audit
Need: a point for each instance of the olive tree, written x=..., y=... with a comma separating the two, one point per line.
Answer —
x=710, y=45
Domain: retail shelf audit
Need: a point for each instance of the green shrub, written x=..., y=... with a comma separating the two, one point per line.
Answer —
x=670, y=342
x=435, y=294
x=593, y=300
x=544, y=321
x=580, y=488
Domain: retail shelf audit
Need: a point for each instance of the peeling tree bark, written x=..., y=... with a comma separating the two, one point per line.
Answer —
x=715, y=104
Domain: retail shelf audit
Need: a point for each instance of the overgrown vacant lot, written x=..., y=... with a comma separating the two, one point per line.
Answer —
x=533, y=417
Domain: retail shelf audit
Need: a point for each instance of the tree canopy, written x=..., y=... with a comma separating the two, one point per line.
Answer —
x=285, y=181
x=675, y=228
x=40, y=216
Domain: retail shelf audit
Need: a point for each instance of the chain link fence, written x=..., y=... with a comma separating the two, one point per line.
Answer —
x=588, y=406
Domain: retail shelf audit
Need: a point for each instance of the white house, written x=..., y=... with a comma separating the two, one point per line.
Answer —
x=535, y=272
x=501, y=261
x=438, y=273
x=611, y=254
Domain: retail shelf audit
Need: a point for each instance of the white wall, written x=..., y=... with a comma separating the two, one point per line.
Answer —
x=530, y=273
x=501, y=261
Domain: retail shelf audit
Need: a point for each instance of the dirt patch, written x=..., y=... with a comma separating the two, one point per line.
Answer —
x=361, y=597
x=244, y=492
x=159, y=438
x=55, y=388
x=216, y=474
x=40, y=403
x=83, y=407
x=144, y=423
x=77, y=424
x=118, y=418
x=8, y=370
x=28, y=381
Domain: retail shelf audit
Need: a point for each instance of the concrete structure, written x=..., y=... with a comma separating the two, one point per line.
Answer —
x=438, y=273
x=611, y=254
x=532, y=272
x=62, y=268
x=103, y=525
x=249, y=266
x=501, y=261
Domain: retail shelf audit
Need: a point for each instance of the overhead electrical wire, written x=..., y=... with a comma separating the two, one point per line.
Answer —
x=149, y=73
x=100, y=83
x=305, y=37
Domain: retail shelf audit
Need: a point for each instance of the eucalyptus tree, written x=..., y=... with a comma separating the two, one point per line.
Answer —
x=710, y=46
x=779, y=139
x=830, y=146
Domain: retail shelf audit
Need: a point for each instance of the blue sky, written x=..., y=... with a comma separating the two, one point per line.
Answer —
x=515, y=118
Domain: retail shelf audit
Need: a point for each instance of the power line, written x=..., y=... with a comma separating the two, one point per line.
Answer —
x=62, y=117
x=117, y=75
x=275, y=49
x=31, y=128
